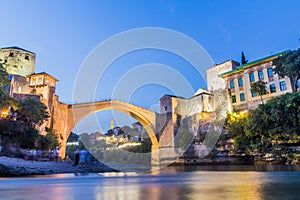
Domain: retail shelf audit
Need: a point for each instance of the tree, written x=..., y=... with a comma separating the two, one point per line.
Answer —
x=244, y=61
x=49, y=141
x=289, y=65
x=18, y=134
x=84, y=142
x=278, y=119
x=32, y=111
x=30, y=138
x=284, y=111
x=5, y=100
x=257, y=126
x=259, y=88
x=235, y=124
x=269, y=126
x=4, y=80
x=73, y=137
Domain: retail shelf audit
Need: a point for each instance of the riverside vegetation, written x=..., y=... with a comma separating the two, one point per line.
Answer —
x=272, y=129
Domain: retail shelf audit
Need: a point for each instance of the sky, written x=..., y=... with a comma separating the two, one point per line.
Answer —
x=63, y=33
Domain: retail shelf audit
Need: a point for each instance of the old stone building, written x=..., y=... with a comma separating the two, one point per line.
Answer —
x=214, y=81
x=20, y=64
x=238, y=83
x=236, y=80
x=228, y=86
x=43, y=84
x=17, y=61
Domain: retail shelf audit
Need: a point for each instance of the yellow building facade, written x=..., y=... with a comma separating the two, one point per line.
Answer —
x=238, y=82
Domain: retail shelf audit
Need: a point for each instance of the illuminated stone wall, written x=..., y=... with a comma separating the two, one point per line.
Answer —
x=17, y=61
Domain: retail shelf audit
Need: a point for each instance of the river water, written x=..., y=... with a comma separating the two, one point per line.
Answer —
x=208, y=182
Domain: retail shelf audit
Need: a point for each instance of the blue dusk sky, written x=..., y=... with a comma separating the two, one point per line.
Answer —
x=62, y=33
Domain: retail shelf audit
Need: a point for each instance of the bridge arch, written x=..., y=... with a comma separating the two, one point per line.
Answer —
x=76, y=112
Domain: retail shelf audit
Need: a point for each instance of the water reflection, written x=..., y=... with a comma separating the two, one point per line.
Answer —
x=228, y=185
x=172, y=183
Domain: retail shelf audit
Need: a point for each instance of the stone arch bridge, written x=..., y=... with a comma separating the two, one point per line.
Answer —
x=66, y=116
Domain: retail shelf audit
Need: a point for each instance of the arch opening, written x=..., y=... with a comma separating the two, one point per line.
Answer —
x=145, y=117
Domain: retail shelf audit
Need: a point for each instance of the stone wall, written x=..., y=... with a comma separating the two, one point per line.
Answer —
x=17, y=61
x=214, y=82
x=20, y=84
x=59, y=121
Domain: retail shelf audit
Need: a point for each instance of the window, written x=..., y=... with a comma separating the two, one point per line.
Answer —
x=33, y=80
x=231, y=84
x=242, y=97
x=272, y=88
x=282, y=85
x=240, y=82
x=233, y=97
x=270, y=72
x=251, y=77
x=260, y=75
x=166, y=108
x=26, y=57
x=40, y=80
x=253, y=94
x=11, y=54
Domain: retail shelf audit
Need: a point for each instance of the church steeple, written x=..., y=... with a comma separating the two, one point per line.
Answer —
x=112, y=124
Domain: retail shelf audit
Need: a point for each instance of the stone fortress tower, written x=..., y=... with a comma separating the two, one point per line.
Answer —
x=17, y=60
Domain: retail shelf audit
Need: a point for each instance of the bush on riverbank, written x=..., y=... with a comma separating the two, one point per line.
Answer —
x=17, y=137
x=271, y=128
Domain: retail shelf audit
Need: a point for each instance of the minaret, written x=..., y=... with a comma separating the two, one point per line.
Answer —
x=112, y=124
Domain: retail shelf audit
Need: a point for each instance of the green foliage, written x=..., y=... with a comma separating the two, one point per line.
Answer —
x=73, y=137
x=145, y=147
x=32, y=111
x=3, y=99
x=259, y=88
x=126, y=129
x=235, y=125
x=289, y=65
x=121, y=156
x=4, y=81
x=101, y=145
x=275, y=122
x=49, y=141
x=18, y=134
x=84, y=142
x=29, y=139
x=281, y=114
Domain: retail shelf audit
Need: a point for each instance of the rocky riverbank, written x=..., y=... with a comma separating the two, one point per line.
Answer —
x=20, y=167
x=263, y=159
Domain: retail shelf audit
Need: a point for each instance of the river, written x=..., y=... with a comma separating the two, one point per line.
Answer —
x=208, y=182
